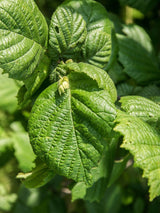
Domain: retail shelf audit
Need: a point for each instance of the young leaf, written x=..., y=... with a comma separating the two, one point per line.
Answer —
x=69, y=131
x=23, y=37
x=143, y=142
x=67, y=33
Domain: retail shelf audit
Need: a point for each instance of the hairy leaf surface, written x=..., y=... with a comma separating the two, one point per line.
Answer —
x=69, y=131
x=23, y=37
x=143, y=141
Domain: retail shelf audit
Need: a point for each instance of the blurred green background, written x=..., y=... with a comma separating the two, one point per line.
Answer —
x=129, y=194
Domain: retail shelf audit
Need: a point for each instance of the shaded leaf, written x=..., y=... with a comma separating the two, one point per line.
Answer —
x=143, y=6
x=137, y=55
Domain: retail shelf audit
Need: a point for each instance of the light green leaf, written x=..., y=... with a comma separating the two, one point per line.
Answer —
x=6, y=200
x=143, y=6
x=8, y=93
x=141, y=107
x=67, y=33
x=94, y=14
x=99, y=52
x=143, y=141
x=79, y=191
x=137, y=55
x=23, y=150
x=38, y=177
x=69, y=131
x=23, y=37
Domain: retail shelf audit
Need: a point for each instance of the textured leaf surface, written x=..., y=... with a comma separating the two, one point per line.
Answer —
x=69, y=132
x=67, y=33
x=23, y=37
x=99, y=53
x=98, y=75
x=143, y=142
x=137, y=55
x=141, y=107
x=94, y=14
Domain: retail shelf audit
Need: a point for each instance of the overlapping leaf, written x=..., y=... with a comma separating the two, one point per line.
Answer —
x=23, y=37
x=136, y=55
x=69, y=131
x=141, y=107
x=94, y=14
x=67, y=33
x=99, y=53
x=141, y=136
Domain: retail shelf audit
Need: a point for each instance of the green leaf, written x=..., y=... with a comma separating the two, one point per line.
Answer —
x=141, y=107
x=39, y=176
x=99, y=52
x=143, y=6
x=69, y=131
x=137, y=55
x=118, y=168
x=124, y=89
x=23, y=37
x=67, y=33
x=8, y=92
x=116, y=73
x=23, y=150
x=143, y=142
x=150, y=91
x=94, y=14
x=33, y=83
x=101, y=175
x=98, y=75
x=79, y=191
